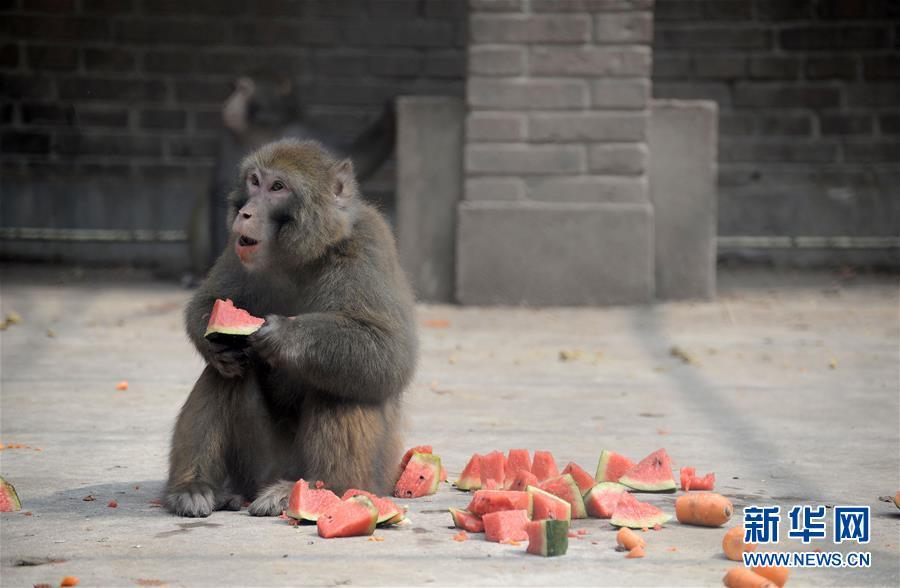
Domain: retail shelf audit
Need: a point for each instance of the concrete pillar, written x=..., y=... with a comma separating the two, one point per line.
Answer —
x=683, y=155
x=556, y=206
x=429, y=187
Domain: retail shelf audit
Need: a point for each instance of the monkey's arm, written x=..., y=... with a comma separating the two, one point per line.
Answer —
x=352, y=358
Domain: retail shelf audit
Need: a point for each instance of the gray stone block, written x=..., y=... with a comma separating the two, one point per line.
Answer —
x=429, y=187
x=554, y=254
x=683, y=151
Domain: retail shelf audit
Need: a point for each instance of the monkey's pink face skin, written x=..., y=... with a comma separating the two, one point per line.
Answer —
x=253, y=225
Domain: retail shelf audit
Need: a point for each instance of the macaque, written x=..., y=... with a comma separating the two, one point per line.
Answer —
x=316, y=392
x=262, y=108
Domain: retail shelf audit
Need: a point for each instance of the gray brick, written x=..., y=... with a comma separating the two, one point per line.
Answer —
x=671, y=66
x=53, y=58
x=785, y=124
x=877, y=94
x=109, y=60
x=847, y=124
x=718, y=91
x=588, y=189
x=494, y=189
x=591, y=61
x=396, y=63
x=526, y=94
x=163, y=119
x=775, y=68
x=772, y=152
x=169, y=62
x=494, y=5
x=720, y=37
x=496, y=61
x=529, y=29
x=109, y=89
x=768, y=96
x=445, y=63
x=495, y=127
x=831, y=38
x=623, y=27
x=843, y=67
x=589, y=5
x=720, y=66
x=627, y=159
x=889, y=124
x=587, y=126
x=731, y=123
x=524, y=159
x=872, y=152
x=879, y=67
x=100, y=116
x=624, y=94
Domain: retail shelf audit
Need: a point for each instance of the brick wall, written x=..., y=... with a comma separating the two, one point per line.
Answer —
x=110, y=108
x=809, y=97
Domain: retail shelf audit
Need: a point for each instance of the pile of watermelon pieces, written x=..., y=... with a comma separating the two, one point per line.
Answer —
x=513, y=492
x=354, y=514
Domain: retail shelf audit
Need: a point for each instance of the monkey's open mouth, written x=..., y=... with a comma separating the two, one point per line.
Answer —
x=245, y=241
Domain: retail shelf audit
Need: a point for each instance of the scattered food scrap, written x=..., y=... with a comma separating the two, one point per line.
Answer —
x=123, y=385
x=9, y=498
x=683, y=355
x=705, y=509
x=436, y=323
x=461, y=536
x=69, y=581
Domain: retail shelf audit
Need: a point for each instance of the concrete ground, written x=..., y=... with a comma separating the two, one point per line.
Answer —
x=791, y=397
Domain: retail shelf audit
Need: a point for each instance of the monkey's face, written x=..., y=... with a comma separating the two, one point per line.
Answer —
x=256, y=221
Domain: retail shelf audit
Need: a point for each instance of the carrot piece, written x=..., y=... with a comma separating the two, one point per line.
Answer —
x=778, y=574
x=706, y=509
x=461, y=536
x=635, y=553
x=69, y=581
x=744, y=578
x=733, y=544
x=628, y=539
x=123, y=385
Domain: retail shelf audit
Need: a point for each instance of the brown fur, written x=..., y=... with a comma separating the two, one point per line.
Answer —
x=317, y=394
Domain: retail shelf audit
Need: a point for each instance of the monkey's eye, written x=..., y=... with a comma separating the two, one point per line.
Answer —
x=254, y=180
x=277, y=186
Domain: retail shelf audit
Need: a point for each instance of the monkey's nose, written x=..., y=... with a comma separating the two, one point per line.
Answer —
x=246, y=215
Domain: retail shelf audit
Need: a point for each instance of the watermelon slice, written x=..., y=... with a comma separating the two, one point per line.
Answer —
x=9, y=499
x=564, y=486
x=505, y=526
x=547, y=537
x=493, y=468
x=487, y=501
x=348, y=518
x=466, y=520
x=387, y=510
x=691, y=481
x=652, y=474
x=632, y=513
x=421, y=477
x=408, y=455
x=229, y=324
x=307, y=503
x=548, y=506
x=584, y=480
x=470, y=478
x=601, y=500
x=612, y=466
x=523, y=480
x=518, y=460
x=544, y=466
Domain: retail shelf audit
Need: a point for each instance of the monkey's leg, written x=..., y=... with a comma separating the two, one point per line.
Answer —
x=198, y=459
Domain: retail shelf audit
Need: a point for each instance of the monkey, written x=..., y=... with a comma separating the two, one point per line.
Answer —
x=316, y=392
x=263, y=107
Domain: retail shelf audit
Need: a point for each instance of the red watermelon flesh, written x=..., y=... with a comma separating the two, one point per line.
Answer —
x=517, y=460
x=470, y=478
x=544, y=466
x=651, y=474
x=348, y=518
x=631, y=512
x=691, y=481
x=408, y=455
x=601, y=500
x=612, y=466
x=226, y=319
x=493, y=467
x=466, y=520
x=387, y=510
x=548, y=506
x=421, y=477
x=308, y=503
x=523, y=480
x=505, y=526
x=564, y=486
x=584, y=480
x=9, y=499
x=486, y=501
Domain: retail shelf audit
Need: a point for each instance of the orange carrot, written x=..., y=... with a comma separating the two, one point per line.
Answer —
x=733, y=544
x=778, y=574
x=123, y=385
x=628, y=539
x=706, y=509
x=635, y=553
x=69, y=581
x=744, y=578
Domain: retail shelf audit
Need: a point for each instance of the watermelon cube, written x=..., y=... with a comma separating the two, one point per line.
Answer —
x=505, y=526
x=548, y=537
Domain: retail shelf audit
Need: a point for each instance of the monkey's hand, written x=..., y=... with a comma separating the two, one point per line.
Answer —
x=269, y=341
x=228, y=361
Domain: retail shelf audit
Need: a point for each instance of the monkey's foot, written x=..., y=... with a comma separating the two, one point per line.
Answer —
x=199, y=500
x=230, y=502
x=273, y=500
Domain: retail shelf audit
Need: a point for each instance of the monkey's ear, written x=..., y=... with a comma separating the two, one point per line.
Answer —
x=342, y=181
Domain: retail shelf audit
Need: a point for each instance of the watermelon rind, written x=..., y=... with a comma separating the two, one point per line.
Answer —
x=228, y=320
x=466, y=520
x=651, y=474
x=548, y=537
x=10, y=499
x=429, y=461
x=358, y=499
x=632, y=513
x=603, y=474
x=387, y=510
x=470, y=478
x=601, y=488
x=535, y=492
x=584, y=480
